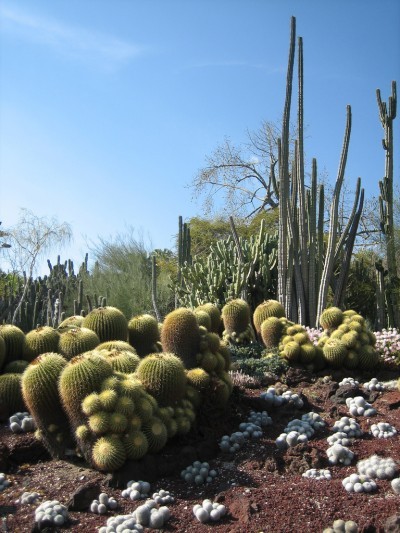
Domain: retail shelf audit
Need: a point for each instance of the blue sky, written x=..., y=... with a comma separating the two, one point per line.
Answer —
x=108, y=108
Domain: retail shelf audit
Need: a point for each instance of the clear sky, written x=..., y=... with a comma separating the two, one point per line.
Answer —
x=109, y=107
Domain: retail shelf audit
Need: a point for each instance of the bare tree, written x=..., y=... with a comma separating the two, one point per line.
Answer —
x=30, y=238
x=244, y=175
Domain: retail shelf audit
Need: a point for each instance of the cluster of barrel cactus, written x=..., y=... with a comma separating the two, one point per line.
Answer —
x=345, y=342
x=118, y=389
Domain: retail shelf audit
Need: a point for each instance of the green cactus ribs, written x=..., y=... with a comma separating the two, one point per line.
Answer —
x=180, y=335
x=236, y=319
x=144, y=334
x=109, y=323
x=163, y=376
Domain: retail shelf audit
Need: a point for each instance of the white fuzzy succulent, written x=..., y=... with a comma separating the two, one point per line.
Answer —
x=21, y=422
x=291, y=439
x=198, y=473
x=4, y=482
x=378, y=467
x=358, y=406
x=349, y=381
x=395, y=484
x=349, y=426
x=103, y=504
x=383, y=430
x=359, y=483
x=126, y=523
x=301, y=426
x=314, y=419
x=340, y=526
x=136, y=490
x=314, y=473
x=51, y=513
x=272, y=397
x=374, y=385
x=340, y=437
x=28, y=497
x=163, y=497
x=259, y=418
x=338, y=454
x=209, y=510
x=293, y=398
x=250, y=430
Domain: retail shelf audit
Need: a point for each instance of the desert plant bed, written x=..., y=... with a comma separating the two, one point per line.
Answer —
x=261, y=486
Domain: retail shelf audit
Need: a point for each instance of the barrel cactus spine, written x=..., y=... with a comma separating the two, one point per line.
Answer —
x=108, y=453
x=43, y=339
x=331, y=318
x=163, y=376
x=11, y=398
x=108, y=322
x=144, y=334
x=267, y=309
x=180, y=335
x=77, y=340
x=40, y=391
x=14, y=339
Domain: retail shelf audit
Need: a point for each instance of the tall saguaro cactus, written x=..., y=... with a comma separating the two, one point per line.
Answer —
x=387, y=113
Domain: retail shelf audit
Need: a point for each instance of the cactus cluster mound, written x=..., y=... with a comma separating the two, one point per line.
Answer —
x=237, y=322
x=109, y=323
x=267, y=309
x=144, y=334
x=347, y=341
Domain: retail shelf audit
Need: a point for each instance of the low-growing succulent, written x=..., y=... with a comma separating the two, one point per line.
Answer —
x=374, y=385
x=378, y=467
x=136, y=490
x=209, y=510
x=28, y=498
x=349, y=426
x=51, y=513
x=359, y=483
x=301, y=426
x=340, y=526
x=383, y=430
x=163, y=497
x=338, y=454
x=103, y=504
x=22, y=423
x=314, y=419
x=395, y=484
x=359, y=406
x=318, y=474
x=349, y=381
x=260, y=418
x=292, y=438
x=4, y=482
x=198, y=473
x=340, y=437
x=126, y=523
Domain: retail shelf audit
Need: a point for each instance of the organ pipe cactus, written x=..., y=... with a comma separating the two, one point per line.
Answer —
x=387, y=113
x=305, y=271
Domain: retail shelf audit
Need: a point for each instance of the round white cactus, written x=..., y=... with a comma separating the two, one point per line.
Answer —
x=358, y=406
x=338, y=454
x=359, y=483
x=318, y=474
x=209, y=510
x=383, y=430
x=378, y=467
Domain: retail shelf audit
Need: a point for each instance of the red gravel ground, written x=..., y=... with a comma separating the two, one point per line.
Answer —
x=261, y=487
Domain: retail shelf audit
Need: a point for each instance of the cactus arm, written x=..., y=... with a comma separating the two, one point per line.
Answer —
x=344, y=235
x=154, y=288
x=329, y=260
x=284, y=175
x=345, y=267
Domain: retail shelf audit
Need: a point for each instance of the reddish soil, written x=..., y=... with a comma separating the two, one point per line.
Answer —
x=261, y=487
